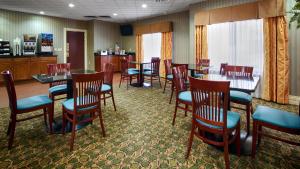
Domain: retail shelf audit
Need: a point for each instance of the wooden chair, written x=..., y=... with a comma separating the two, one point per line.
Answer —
x=185, y=74
x=58, y=88
x=210, y=115
x=85, y=101
x=200, y=63
x=222, y=67
x=277, y=120
x=153, y=73
x=25, y=105
x=107, y=87
x=183, y=96
x=126, y=73
x=240, y=97
x=168, y=74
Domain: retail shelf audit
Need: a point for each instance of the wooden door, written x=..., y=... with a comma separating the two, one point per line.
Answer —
x=75, y=49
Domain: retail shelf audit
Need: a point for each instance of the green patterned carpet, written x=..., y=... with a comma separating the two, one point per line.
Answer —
x=139, y=135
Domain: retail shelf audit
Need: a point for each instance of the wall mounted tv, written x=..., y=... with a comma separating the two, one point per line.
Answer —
x=126, y=30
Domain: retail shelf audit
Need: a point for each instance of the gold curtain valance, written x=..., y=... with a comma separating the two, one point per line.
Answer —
x=154, y=28
x=254, y=10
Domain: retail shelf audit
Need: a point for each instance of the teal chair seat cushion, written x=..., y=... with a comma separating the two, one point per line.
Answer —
x=277, y=117
x=185, y=96
x=105, y=88
x=170, y=77
x=69, y=104
x=147, y=69
x=133, y=72
x=33, y=102
x=240, y=96
x=198, y=75
x=149, y=72
x=232, y=120
x=58, y=89
x=133, y=69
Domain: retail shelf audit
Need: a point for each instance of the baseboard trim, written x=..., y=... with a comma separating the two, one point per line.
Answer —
x=294, y=100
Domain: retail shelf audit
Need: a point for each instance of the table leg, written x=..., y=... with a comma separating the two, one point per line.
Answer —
x=141, y=78
x=69, y=89
x=192, y=72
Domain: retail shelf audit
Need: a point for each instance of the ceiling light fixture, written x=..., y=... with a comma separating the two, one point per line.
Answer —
x=115, y=14
x=71, y=5
x=144, y=6
x=42, y=12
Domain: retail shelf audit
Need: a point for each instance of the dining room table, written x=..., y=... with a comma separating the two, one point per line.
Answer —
x=67, y=76
x=244, y=84
x=140, y=82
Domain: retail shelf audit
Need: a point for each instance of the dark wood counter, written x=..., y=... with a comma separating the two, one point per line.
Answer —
x=23, y=67
x=100, y=60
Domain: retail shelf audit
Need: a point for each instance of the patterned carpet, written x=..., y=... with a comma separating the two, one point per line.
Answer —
x=139, y=135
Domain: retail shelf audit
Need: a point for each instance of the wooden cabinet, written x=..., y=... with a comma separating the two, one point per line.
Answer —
x=24, y=67
x=113, y=59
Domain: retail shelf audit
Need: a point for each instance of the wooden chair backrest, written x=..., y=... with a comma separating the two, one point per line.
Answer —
x=168, y=66
x=179, y=78
x=86, y=91
x=124, y=65
x=203, y=62
x=108, y=70
x=239, y=71
x=210, y=98
x=186, y=66
x=56, y=69
x=10, y=88
x=222, y=68
x=155, y=63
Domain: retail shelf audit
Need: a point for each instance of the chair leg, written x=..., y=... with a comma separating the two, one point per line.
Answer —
x=175, y=113
x=63, y=122
x=73, y=134
x=238, y=139
x=259, y=133
x=254, y=138
x=113, y=100
x=45, y=116
x=185, y=111
x=104, y=99
x=171, y=94
x=159, y=81
x=50, y=116
x=166, y=81
x=12, y=132
x=120, y=81
x=248, y=109
x=151, y=81
x=101, y=123
x=189, y=147
x=9, y=126
x=127, y=82
x=226, y=151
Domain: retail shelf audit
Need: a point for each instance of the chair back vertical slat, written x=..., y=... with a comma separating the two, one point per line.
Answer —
x=210, y=101
x=238, y=71
x=10, y=88
x=86, y=91
x=108, y=70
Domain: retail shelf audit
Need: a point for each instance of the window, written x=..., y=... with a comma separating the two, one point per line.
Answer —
x=151, y=46
x=237, y=43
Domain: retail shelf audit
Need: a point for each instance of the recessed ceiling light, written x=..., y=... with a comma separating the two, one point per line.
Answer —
x=115, y=14
x=42, y=12
x=144, y=6
x=71, y=5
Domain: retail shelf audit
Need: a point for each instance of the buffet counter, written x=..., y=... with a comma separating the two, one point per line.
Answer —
x=100, y=60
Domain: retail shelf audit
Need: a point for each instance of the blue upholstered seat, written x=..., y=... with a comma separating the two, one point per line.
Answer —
x=198, y=75
x=133, y=69
x=277, y=117
x=185, y=96
x=170, y=77
x=105, y=87
x=133, y=72
x=69, y=104
x=147, y=69
x=232, y=120
x=148, y=72
x=58, y=89
x=240, y=96
x=32, y=102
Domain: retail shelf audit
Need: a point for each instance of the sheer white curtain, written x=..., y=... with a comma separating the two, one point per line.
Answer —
x=237, y=43
x=151, y=46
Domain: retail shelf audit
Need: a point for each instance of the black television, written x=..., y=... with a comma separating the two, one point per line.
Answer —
x=126, y=30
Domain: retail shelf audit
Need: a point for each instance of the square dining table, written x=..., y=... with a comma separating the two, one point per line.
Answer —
x=140, y=82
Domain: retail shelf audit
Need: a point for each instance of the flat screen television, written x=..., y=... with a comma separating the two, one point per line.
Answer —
x=126, y=30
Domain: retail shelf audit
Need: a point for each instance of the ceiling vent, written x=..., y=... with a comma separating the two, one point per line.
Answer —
x=91, y=17
x=105, y=16
x=162, y=0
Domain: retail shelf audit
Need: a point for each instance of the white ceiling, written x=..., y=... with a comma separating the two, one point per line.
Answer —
x=127, y=10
